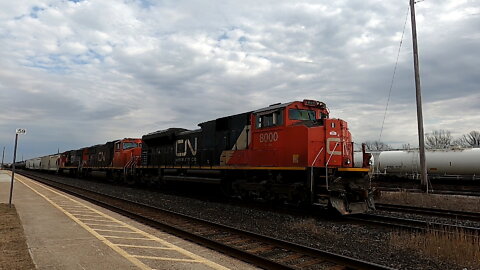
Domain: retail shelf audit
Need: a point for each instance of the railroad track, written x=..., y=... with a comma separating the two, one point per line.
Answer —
x=436, y=191
x=429, y=211
x=413, y=224
x=260, y=250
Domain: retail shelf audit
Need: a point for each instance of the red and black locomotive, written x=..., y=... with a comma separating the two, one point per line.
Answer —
x=116, y=158
x=291, y=152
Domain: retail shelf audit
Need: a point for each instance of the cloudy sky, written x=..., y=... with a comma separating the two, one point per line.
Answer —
x=78, y=73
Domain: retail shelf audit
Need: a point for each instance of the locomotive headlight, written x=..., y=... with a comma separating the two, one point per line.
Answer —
x=348, y=161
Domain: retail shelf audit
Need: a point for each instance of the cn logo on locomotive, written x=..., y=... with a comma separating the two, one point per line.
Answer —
x=181, y=150
x=101, y=156
x=330, y=141
x=269, y=137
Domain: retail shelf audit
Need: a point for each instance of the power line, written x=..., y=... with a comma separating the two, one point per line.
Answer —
x=393, y=76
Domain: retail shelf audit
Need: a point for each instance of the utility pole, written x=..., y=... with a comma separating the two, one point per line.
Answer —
x=421, y=135
x=3, y=156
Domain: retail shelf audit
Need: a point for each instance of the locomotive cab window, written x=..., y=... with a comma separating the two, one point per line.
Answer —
x=297, y=114
x=269, y=119
x=128, y=145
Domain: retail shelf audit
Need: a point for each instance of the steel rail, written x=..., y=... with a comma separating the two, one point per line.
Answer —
x=438, y=192
x=454, y=214
x=414, y=224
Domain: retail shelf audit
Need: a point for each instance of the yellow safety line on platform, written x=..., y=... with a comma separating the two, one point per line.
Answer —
x=132, y=258
x=163, y=259
x=103, y=230
x=75, y=208
x=83, y=215
x=79, y=211
x=91, y=219
x=148, y=247
x=105, y=225
x=128, y=238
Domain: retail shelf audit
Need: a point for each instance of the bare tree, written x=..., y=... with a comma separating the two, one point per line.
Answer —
x=471, y=139
x=438, y=139
x=377, y=146
x=406, y=146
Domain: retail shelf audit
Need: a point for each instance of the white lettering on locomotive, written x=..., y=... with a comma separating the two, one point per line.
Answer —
x=329, y=150
x=101, y=156
x=182, y=151
x=269, y=137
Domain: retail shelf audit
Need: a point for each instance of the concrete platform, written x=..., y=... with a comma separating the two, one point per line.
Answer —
x=64, y=232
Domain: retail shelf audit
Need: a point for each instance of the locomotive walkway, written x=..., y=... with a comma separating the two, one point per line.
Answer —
x=64, y=232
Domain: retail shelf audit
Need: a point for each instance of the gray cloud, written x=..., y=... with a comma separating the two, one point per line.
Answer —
x=77, y=73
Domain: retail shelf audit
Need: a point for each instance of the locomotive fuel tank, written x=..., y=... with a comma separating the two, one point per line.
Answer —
x=458, y=163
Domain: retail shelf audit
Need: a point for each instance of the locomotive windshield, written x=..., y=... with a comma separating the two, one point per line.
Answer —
x=128, y=145
x=296, y=114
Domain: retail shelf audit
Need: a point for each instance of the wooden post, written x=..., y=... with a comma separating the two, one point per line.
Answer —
x=421, y=135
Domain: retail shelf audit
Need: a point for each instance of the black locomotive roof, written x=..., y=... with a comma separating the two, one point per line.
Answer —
x=162, y=133
x=224, y=118
x=273, y=107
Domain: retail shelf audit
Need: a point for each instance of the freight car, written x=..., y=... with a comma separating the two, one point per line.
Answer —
x=115, y=158
x=45, y=163
x=291, y=152
x=33, y=163
x=461, y=164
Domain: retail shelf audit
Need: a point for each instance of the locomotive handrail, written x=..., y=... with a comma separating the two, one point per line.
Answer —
x=326, y=165
x=311, y=172
x=315, y=160
x=130, y=163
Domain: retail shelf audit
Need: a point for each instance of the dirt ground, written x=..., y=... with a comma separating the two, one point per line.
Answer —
x=13, y=247
x=447, y=202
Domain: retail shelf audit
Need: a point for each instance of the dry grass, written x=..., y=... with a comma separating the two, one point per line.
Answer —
x=448, y=202
x=13, y=247
x=457, y=247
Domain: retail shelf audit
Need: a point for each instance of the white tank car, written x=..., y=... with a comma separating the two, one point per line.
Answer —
x=358, y=159
x=440, y=163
